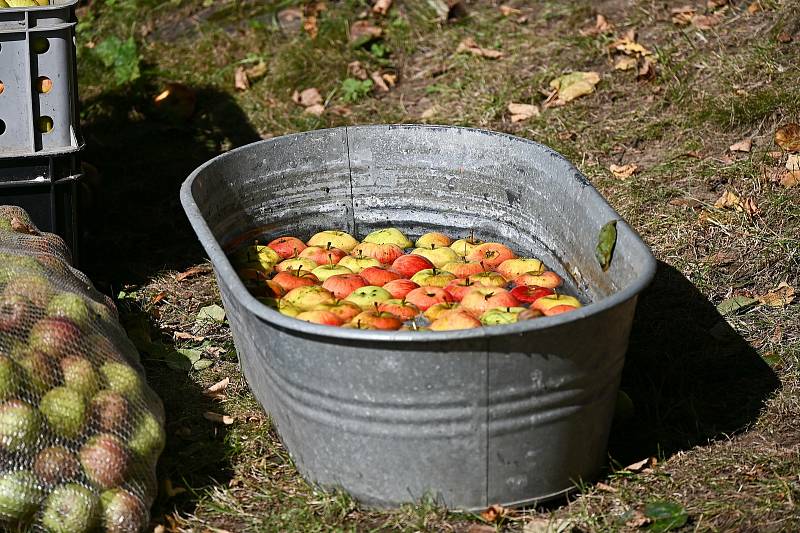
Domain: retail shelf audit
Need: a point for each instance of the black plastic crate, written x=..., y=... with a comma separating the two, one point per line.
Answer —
x=51, y=204
x=49, y=167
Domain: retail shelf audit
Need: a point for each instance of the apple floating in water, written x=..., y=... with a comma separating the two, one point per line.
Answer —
x=433, y=239
x=389, y=236
x=323, y=256
x=287, y=247
x=341, y=285
x=438, y=256
x=491, y=254
x=408, y=265
x=379, y=276
x=432, y=278
x=399, y=288
x=455, y=320
x=333, y=239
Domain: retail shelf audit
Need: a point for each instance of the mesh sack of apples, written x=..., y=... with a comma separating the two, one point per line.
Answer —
x=390, y=282
x=80, y=430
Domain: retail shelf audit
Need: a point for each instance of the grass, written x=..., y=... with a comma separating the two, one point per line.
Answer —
x=715, y=399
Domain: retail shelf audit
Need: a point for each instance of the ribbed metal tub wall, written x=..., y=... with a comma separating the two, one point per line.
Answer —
x=507, y=414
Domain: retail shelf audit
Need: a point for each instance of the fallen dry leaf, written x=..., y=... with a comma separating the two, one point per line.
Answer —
x=307, y=97
x=158, y=297
x=682, y=16
x=190, y=273
x=182, y=335
x=647, y=71
x=574, y=85
x=240, y=81
x=642, y=466
x=509, y=11
x=626, y=63
x=728, y=199
x=714, y=4
x=316, y=109
x=520, y=112
x=310, y=13
x=789, y=179
x=637, y=519
x=470, y=46
x=362, y=32
x=219, y=386
x=170, y=490
x=784, y=37
x=705, y=22
x=256, y=71
x=754, y=7
x=793, y=162
x=684, y=202
x=381, y=7
x=788, y=137
x=494, y=513
x=379, y=82
x=782, y=296
x=745, y=145
x=357, y=70
x=750, y=207
x=480, y=528
x=623, y=172
x=628, y=45
x=389, y=78
x=601, y=25
x=429, y=113
x=218, y=418
x=605, y=488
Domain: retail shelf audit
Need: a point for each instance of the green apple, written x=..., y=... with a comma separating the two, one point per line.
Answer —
x=296, y=263
x=325, y=271
x=288, y=309
x=357, y=264
x=256, y=256
x=148, y=438
x=79, y=375
x=20, y=426
x=501, y=315
x=13, y=265
x=464, y=246
x=70, y=509
x=308, y=297
x=71, y=306
x=9, y=378
x=122, y=379
x=514, y=268
x=122, y=512
x=333, y=239
x=65, y=411
x=438, y=256
x=34, y=287
x=366, y=297
x=19, y=495
x=38, y=371
x=389, y=236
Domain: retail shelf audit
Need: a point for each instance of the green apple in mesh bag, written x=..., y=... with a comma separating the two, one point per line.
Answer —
x=20, y=426
x=16, y=314
x=123, y=379
x=79, y=374
x=34, y=287
x=71, y=306
x=148, y=437
x=122, y=512
x=65, y=411
x=12, y=265
x=38, y=370
x=9, y=377
x=19, y=495
x=71, y=509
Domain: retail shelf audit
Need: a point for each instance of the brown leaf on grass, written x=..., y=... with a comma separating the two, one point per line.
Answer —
x=182, y=335
x=448, y=9
x=636, y=520
x=520, y=112
x=645, y=465
x=548, y=525
x=493, y=513
x=240, y=81
x=647, y=71
x=310, y=14
x=316, y=109
x=508, y=11
x=389, y=78
x=603, y=487
x=627, y=45
x=381, y=7
x=782, y=296
x=793, y=163
x=218, y=418
x=429, y=113
x=754, y=7
x=625, y=63
x=357, y=70
x=789, y=179
x=256, y=71
x=682, y=16
x=601, y=25
x=788, y=137
x=363, y=31
x=379, y=82
x=714, y=4
x=217, y=390
x=571, y=86
x=469, y=46
x=623, y=172
x=705, y=22
x=480, y=528
x=170, y=490
x=750, y=207
x=158, y=297
x=745, y=145
x=190, y=273
x=728, y=200
x=307, y=97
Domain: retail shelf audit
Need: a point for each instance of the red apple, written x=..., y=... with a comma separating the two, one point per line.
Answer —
x=109, y=411
x=425, y=297
x=55, y=464
x=105, y=460
x=343, y=309
x=378, y=320
x=323, y=255
x=320, y=317
x=342, y=285
x=459, y=287
x=122, y=512
x=408, y=265
x=480, y=299
x=463, y=269
x=454, y=320
x=435, y=311
x=399, y=288
x=287, y=247
x=272, y=289
x=529, y=293
x=433, y=239
x=491, y=254
x=291, y=279
x=432, y=277
x=15, y=314
x=385, y=253
x=54, y=336
x=559, y=309
x=489, y=279
x=548, y=279
x=378, y=276
x=400, y=308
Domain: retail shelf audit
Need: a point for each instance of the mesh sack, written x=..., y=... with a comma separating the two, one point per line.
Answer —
x=80, y=430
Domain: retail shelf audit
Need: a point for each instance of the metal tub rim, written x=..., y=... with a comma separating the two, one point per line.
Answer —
x=225, y=270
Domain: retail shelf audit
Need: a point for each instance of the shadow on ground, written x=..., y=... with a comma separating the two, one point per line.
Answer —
x=136, y=228
x=692, y=378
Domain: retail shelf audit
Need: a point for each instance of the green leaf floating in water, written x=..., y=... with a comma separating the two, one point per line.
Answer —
x=665, y=516
x=605, y=244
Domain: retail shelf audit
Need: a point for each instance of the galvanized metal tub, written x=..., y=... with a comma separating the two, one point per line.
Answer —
x=506, y=414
